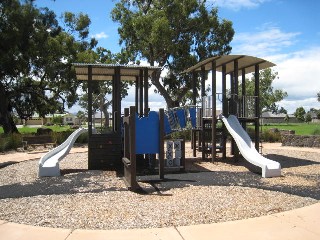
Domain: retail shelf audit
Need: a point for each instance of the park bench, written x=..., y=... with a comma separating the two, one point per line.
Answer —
x=36, y=140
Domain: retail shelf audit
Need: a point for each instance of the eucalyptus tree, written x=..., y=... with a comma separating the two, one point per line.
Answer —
x=172, y=34
x=269, y=96
x=36, y=56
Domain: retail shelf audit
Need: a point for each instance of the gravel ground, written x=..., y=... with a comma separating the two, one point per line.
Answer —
x=206, y=193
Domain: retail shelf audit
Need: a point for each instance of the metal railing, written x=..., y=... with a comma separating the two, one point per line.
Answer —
x=242, y=106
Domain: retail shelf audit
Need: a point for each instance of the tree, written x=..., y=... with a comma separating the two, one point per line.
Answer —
x=308, y=117
x=36, y=54
x=268, y=95
x=172, y=34
x=286, y=118
x=299, y=113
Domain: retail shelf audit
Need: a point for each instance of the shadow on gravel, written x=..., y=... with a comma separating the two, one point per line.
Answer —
x=75, y=181
x=78, y=181
x=197, y=175
x=288, y=162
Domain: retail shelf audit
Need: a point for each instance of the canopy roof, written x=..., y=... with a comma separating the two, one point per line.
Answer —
x=244, y=62
x=103, y=72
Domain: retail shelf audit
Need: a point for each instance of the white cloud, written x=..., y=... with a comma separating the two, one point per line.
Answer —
x=238, y=4
x=292, y=105
x=101, y=35
x=268, y=41
x=299, y=75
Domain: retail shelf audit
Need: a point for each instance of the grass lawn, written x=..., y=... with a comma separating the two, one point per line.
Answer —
x=300, y=128
x=28, y=129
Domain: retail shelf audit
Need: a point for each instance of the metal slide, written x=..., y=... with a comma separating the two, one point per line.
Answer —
x=49, y=163
x=269, y=167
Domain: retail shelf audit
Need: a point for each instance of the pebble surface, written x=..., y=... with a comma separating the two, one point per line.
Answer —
x=206, y=193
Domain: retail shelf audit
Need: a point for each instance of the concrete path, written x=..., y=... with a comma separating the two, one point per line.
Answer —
x=297, y=224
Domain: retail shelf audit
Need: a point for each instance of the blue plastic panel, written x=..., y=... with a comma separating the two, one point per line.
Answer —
x=167, y=127
x=147, y=134
x=193, y=116
x=180, y=113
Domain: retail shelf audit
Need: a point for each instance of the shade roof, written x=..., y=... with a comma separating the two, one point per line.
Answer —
x=247, y=62
x=103, y=72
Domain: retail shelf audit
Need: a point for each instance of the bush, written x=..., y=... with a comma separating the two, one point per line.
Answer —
x=186, y=135
x=12, y=141
x=316, y=131
x=60, y=137
x=270, y=136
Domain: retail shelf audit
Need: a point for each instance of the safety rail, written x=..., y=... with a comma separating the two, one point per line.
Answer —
x=181, y=118
x=241, y=106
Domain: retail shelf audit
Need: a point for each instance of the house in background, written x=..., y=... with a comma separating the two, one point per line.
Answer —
x=67, y=119
x=70, y=119
x=269, y=117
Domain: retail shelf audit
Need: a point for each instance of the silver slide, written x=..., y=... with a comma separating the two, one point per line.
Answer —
x=269, y=167
x=49, y=163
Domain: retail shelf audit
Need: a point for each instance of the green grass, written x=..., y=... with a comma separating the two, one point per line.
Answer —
x=299, y=128
x=30, y=130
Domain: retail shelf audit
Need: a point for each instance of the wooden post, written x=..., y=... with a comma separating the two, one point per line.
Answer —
x=133, y=165
x=137, y=93
x=243, y=88
x=257, y=107
x=214, y=111
x=126, y=143
x=146, y=88
x=224, y=109
x=231, y=101
x=236, y=88
x=117, y=99
x=194, y=88
x=90, y=100
x=203, y=145
x=236, y=104
x=140, y=110
x=161, y=142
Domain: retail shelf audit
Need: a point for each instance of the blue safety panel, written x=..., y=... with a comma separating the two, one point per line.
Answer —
x=180, y=113
x=193, y=116
x=172, y=119
x=167, y=127
x=147, y=134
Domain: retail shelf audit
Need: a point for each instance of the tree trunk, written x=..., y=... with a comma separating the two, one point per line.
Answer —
x=6, y=119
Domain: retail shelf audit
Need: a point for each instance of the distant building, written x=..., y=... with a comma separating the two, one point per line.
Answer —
x=269, y=117
x=67, y=119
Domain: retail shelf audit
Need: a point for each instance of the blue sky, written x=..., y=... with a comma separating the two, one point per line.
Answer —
x=285, y=32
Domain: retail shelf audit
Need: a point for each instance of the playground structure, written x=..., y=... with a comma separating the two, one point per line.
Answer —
x=141, y=132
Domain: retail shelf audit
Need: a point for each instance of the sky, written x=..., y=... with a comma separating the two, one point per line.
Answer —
x=285, y=32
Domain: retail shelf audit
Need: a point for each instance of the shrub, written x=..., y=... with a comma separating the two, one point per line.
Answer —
x=60, y=137
x=316, y=131
x=12, y=141
x=270, y=136
x=186, y=135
